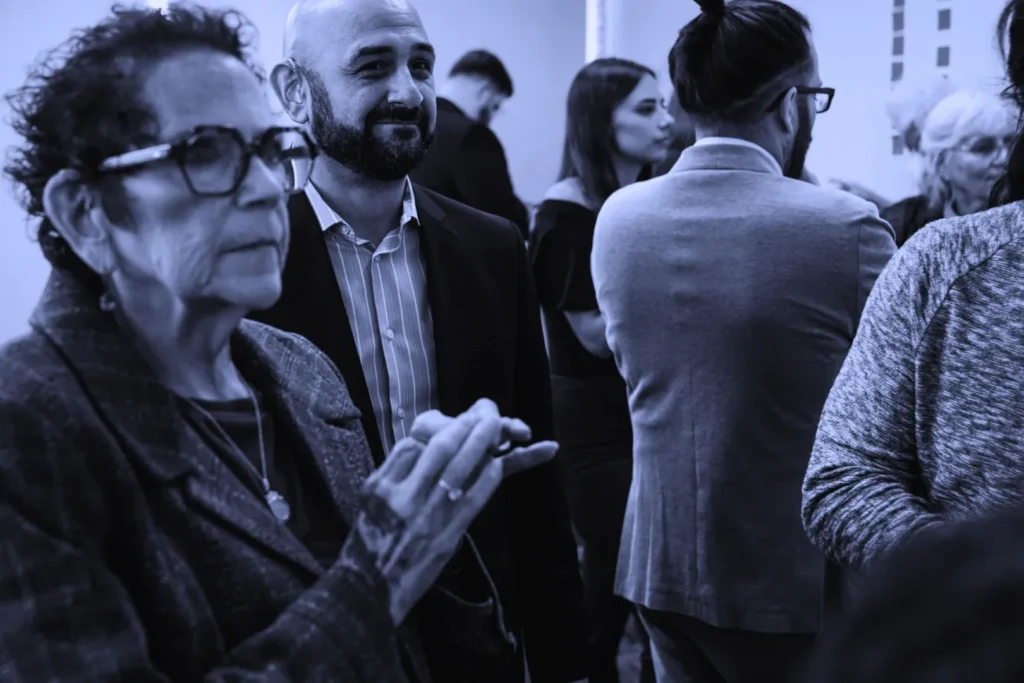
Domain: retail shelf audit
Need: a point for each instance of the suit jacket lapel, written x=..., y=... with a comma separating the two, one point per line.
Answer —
x=443, y=256
x=149, y=423
x=311, y=306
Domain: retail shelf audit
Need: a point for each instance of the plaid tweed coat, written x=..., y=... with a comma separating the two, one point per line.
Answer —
x=130, y=552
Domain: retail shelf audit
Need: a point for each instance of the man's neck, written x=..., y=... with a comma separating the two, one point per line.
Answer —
x=458, y=94
x=371, y=207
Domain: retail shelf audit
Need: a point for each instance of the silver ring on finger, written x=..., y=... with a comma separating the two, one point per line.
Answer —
x=452, y=492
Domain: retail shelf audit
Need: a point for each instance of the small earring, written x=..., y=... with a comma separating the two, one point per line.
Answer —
x=107, y=303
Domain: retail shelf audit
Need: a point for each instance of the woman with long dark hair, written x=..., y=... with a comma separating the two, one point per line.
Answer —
x=923, y=424
x=617, y=128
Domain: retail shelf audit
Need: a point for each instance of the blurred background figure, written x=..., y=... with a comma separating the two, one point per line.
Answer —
x=683, y=136
x=617, y=126
x=466, y=161
x=963, y=143
x=945, y=608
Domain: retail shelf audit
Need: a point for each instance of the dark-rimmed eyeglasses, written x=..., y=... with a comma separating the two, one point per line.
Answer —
x=214, y=160
x=822, y=97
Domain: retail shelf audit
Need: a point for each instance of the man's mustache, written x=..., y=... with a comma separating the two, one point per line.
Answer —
x=395, y=114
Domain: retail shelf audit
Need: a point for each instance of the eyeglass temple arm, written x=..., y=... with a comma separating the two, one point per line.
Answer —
x=136, y=157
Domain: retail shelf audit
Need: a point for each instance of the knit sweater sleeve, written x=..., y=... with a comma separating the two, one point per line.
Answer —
x=862, y=490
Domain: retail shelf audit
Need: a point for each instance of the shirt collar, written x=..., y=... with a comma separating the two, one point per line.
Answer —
x=328, y=217
x=741, y=143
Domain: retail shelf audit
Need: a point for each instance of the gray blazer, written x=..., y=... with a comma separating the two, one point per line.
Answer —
x=731, y=295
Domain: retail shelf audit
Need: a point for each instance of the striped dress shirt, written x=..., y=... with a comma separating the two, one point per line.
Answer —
x=384, y=288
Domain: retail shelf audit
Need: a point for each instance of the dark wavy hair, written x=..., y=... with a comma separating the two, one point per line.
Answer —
x=589, y=150
x=487, y=65
x=733, y=59
x=1010, y=34
x=81, y=101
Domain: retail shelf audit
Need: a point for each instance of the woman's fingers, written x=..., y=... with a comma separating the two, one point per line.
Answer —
x=463, y=469
x=485, y=407
x=464, y=511
x=527, y=457
x=429, y=423
x=514, y=429
x=399, y=462
x=436, y=455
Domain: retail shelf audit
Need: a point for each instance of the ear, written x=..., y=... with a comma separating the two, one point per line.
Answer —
x=76, y=213
x=789, y=117
x=292, y=90
x=486, y=89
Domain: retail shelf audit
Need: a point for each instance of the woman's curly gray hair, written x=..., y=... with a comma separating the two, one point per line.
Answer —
x=80, y=103
x=909, y=105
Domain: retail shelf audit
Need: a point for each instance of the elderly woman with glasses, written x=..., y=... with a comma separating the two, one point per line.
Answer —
x=963, y=144
x=185, y=495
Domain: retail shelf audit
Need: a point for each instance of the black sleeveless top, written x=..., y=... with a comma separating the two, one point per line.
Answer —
x=560, y=247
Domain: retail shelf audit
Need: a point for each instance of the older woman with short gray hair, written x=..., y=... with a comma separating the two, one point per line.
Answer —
x=963, y=145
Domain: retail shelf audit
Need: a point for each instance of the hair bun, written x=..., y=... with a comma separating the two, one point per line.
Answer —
x=714, y=8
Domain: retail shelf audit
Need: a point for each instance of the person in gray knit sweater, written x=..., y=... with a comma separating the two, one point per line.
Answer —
x=925, y=422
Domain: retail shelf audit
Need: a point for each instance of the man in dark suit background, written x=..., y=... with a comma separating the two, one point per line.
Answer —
x=466, y=161
x=424, y=303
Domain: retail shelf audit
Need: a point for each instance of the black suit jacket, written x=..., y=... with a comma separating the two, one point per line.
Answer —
x=909, y=215
x=489, y=344
x=466, y=162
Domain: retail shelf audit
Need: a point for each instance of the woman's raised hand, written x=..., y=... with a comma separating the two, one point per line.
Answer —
x=421, y=501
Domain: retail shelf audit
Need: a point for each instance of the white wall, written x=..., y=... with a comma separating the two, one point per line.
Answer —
x=540, y=41
x=853, y=140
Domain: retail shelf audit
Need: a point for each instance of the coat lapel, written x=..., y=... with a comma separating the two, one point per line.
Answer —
x=149, y=423
x=306, y=391
x=311, y=306
x=442, y=252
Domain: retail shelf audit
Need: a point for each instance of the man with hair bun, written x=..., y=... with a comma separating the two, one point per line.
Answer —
x=732, y=289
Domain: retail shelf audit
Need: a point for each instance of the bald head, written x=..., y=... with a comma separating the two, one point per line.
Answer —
x=316, y=25
x=359, y=75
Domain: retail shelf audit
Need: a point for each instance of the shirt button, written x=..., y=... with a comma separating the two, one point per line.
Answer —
x=401, y=412
x=389, y=333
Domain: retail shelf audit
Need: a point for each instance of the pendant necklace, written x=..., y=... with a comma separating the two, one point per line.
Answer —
x=277, y=503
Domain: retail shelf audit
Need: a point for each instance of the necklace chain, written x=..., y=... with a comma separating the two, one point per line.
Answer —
x=277, y=503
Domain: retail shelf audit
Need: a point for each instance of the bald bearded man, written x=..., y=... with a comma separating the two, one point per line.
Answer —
x=424, y=303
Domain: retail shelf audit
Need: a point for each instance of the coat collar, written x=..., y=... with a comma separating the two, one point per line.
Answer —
x=727, y=154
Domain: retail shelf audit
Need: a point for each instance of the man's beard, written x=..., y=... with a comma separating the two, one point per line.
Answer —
x=485, y=115
x=801, y=145
x=362, y=149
